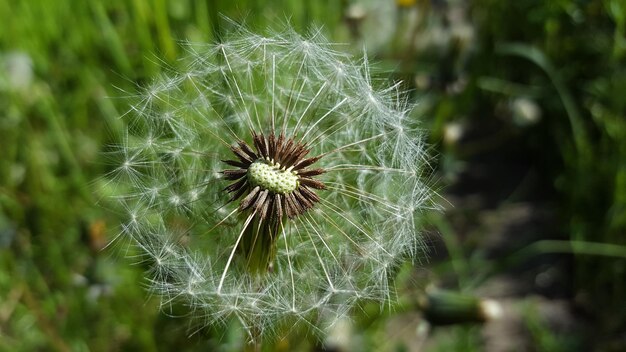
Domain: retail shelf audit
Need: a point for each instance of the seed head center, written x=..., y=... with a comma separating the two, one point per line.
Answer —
x=269, y=175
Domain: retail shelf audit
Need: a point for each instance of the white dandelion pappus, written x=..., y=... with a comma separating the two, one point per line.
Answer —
x=268, y=181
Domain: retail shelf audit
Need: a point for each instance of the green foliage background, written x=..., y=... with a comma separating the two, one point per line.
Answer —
x=61, y=289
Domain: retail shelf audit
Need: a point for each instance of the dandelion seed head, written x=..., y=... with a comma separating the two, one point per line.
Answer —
x=269, y=180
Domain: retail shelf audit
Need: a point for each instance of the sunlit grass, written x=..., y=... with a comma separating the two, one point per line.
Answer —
x=60, y=288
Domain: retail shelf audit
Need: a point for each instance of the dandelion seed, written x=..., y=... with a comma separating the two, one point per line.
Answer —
x=269, y=181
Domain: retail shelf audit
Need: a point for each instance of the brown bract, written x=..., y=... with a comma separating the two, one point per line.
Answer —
x=290, y=155
x=269, y=208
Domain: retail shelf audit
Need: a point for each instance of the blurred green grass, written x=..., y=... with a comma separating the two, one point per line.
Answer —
x=60, y=289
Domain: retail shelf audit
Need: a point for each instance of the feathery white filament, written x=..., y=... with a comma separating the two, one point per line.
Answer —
x=344, y=249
